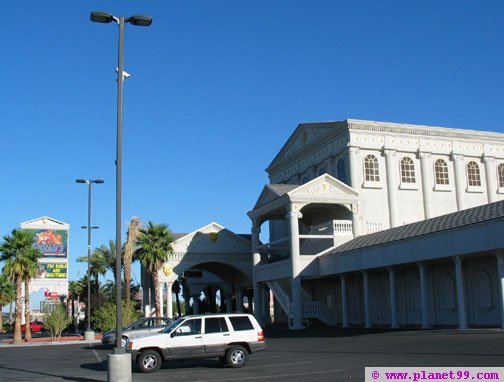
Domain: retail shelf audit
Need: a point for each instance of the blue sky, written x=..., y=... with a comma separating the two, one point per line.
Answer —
x=216, y=89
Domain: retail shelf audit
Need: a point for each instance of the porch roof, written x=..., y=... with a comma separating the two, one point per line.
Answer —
x=471, y=216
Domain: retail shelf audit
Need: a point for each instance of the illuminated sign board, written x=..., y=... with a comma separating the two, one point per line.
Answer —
x=51, y=242
x=52, y=271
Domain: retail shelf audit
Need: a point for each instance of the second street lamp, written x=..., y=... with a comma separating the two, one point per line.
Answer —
x=89, y=334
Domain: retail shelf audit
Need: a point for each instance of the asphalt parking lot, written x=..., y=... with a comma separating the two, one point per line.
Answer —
x=315, y=354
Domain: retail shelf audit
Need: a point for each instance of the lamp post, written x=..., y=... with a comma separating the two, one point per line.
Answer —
x=116, y=363
x=89, y=334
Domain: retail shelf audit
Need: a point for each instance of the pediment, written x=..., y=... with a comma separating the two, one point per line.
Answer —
x=325, y=187
x=44, y=222
x=212, y=238
x=304, y=135
x=271, y=192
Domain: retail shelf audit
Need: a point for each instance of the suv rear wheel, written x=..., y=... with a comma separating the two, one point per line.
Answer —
x=237, y=356
x=149, y=361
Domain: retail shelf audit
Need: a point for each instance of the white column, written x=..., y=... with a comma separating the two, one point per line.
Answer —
x=459, y=171
x=354, y=167
x=423, y=296
x=393, y=299
x=169, y=300
x=256, y=258
x=426, y=171
x=392, y=169
x=500, y=272
x=460, y=293
x=356, y=221
x=367, y=308
x=297, y=302
x=491, y=181
x=344, y=302
x=160, y=298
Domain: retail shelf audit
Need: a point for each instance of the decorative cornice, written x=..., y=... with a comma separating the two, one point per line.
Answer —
x=423, y=130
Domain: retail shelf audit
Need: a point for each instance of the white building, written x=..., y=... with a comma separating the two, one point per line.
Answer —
x=390, y=176
x=365, y=223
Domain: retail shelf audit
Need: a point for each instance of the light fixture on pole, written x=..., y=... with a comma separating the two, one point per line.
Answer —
x=139, y=20
x=89, y=334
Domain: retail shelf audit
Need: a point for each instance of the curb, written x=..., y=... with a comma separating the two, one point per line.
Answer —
x=49, y=339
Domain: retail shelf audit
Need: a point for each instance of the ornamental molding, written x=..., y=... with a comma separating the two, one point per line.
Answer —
x=423, y=130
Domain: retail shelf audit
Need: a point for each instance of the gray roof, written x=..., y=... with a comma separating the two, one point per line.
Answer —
x=281, y=189
x=177, y=236
x=425, y=227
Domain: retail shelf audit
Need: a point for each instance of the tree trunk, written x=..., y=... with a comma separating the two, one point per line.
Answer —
x=17, y=324
x=1, y=319
x=155, y=280
x=10, y=313
x=127, y=282
x=28, y=334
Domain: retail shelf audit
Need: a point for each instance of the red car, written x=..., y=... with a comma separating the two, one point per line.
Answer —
x=35, y=326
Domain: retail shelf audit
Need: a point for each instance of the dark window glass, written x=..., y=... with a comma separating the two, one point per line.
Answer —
x=215, y=325
x=241, y=323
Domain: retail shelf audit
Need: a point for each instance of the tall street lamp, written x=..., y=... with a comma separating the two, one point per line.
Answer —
x=117, y=365
x=89, y=334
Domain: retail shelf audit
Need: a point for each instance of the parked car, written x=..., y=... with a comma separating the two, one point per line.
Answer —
x=229, y=337
x=35, y=326
x=141, y=327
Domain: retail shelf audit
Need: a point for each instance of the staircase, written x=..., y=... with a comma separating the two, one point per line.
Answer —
x=311, y=309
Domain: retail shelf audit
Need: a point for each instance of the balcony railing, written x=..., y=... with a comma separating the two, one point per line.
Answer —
x=319, y=238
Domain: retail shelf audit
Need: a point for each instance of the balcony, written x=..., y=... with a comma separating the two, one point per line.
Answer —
x=318, y=239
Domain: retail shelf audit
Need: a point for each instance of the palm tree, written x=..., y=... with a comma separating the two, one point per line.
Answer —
x=7, y=295
x=18, y=254
x=154, y=248
x=75, y=289
x=99, y=263
x=29, y=273
x=129, y=249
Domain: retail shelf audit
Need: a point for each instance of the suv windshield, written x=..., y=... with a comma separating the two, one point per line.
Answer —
x=170, y=327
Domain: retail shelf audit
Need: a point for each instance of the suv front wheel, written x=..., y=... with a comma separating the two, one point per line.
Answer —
x=149, y=361
x=237, y=356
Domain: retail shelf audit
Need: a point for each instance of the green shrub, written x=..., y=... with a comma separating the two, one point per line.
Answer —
x=56, y=321
x=104, y=318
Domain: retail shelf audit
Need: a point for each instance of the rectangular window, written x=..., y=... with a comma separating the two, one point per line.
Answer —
x=216, y=325
x=241, y=323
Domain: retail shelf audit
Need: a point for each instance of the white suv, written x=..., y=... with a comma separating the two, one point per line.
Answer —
x=230, y=337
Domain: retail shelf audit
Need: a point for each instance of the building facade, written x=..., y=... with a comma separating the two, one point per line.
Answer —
x=335, y=184
x=362, y=224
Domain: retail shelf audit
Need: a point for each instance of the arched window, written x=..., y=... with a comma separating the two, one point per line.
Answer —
x=371, y=170
x=441, y=172
x=407, y=170
x=340, y=167
x=473, y=174
x=500, y=174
